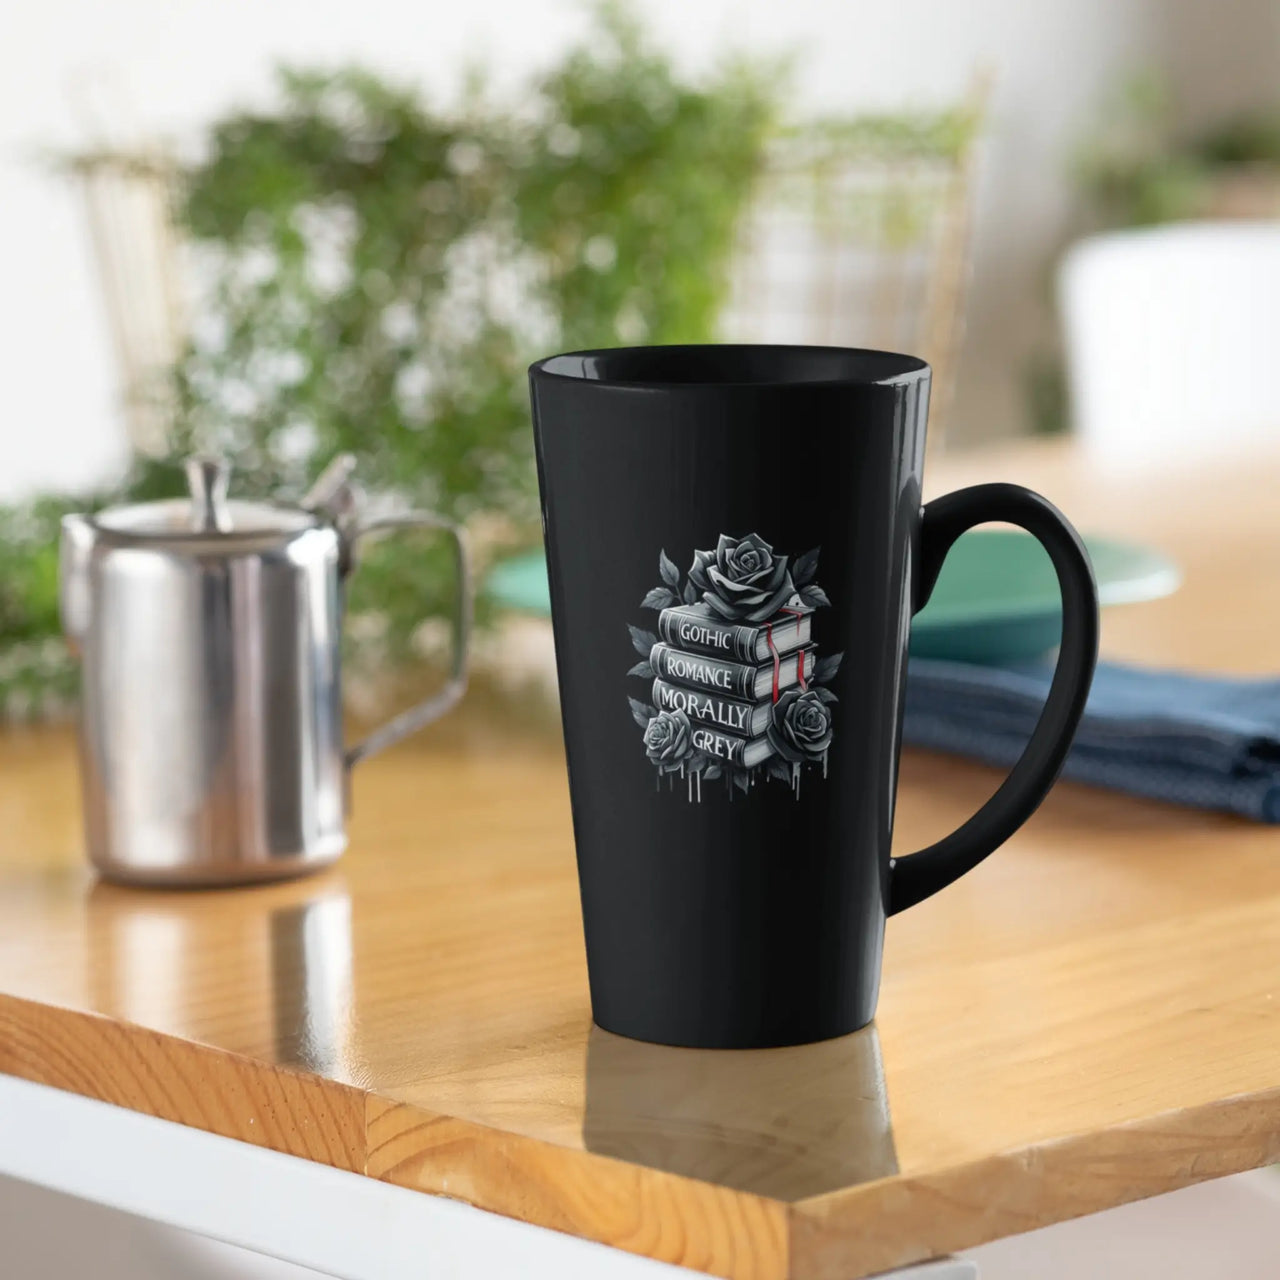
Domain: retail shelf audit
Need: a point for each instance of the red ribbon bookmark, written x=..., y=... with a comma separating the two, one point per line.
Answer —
x=777, y=660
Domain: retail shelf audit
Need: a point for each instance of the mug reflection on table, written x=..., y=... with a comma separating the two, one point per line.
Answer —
x=783, y=1123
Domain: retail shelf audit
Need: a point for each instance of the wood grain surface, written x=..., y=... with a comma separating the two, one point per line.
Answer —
x=1089, y=1017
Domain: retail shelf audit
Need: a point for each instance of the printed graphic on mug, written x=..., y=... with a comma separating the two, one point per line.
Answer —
x=738, y=691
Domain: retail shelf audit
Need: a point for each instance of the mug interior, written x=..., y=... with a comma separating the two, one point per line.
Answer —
x=729, y=365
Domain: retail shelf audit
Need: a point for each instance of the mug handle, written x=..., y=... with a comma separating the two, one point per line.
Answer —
x=432, y=708
x=919, y=875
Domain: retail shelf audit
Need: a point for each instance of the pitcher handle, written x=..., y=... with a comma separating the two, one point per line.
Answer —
x=432, y=708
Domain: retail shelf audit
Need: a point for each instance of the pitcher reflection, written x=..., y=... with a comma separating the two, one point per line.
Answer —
x=261, y=971
x=785, y=1123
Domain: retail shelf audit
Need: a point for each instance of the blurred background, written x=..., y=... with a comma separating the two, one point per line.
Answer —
x=282, y=230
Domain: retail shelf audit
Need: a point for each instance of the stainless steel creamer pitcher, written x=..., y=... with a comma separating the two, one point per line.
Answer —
x=209, y=634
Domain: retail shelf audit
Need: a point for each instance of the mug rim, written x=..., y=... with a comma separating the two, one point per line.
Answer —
x=849, y=366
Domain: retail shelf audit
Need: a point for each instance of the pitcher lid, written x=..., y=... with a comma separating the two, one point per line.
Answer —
x=206, y=513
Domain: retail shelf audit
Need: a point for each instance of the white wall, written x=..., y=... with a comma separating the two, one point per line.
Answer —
x=180, y=61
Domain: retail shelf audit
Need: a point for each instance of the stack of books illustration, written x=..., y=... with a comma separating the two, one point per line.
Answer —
x=726, y=676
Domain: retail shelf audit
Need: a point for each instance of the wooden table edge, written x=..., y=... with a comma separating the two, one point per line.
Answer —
x=668, y=1217
x=857, y=1231
x=644, y=1211
x=198, y=1085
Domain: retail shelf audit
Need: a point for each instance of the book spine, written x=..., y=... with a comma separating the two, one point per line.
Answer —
x=724, y=714
x=732, y=679
x=720, y=746
x=725, y=640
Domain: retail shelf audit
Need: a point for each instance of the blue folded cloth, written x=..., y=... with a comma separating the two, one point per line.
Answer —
x=1210, y=742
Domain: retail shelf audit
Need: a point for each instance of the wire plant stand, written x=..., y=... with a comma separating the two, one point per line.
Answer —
x=128, y=200
x=859, y=235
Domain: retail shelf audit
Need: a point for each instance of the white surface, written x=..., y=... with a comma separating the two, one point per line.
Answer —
x=340, y=1223
x=165, y=67
x=45, y=1235
x=1223, y=1230
x=942, y=1269
x=1172, y=336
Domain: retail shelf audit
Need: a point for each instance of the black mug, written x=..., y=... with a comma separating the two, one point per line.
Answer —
x=736, y=545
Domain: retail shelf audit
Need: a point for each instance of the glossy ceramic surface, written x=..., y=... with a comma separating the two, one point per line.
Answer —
x=996, y=599
x=728, y=904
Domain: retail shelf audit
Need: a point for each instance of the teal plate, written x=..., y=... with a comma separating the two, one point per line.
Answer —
x=996, y=599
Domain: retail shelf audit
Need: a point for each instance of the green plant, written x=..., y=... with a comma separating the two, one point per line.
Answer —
x=36, y=672
x=898, y=138
x=386, y=273
x=908, y=163
x=1140, y=170
x=376, y=275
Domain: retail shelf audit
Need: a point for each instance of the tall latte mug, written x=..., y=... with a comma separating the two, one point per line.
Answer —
x=736, y=545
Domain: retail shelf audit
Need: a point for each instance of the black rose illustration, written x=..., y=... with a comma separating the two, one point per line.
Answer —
x=742, y=580
x=668, y=740
x=800, y=728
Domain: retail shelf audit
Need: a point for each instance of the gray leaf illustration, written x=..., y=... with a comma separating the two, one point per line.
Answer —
x=670, y=574
x=642, y=640
x=805, y=567
x=814, y=596
x=825, y=669
x=779, y=769
x=644, y=670
x=658, y=598
x=690, y=593
x=825, y=694
x=712, y=771
x=641, y=712
x=740, y=781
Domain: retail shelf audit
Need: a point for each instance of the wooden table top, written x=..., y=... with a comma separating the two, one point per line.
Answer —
x=1088, y=1018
